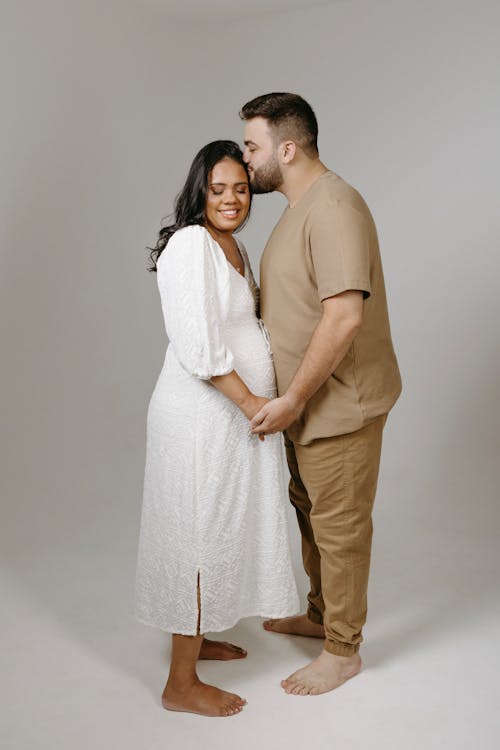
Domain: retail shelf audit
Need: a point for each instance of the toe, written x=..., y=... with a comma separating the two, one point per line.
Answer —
x=233, y=647
x=289, y=683
x=237, y=700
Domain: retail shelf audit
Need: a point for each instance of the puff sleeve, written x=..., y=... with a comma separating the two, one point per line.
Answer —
x=194, y=284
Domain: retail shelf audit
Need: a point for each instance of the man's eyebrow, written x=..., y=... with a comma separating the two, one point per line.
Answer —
x=249, y=143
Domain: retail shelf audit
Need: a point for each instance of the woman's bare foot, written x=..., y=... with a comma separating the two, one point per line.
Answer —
x=325, y=673
x=199, y=698
x=220, y=650
x=297, y=625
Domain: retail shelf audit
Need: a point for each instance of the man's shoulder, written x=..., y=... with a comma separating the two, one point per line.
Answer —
x=337, y=197
x=335, y=189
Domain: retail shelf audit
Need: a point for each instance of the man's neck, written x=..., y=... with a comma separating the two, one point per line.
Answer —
x=300, y=179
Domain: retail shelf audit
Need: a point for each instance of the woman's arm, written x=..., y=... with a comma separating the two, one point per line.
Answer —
x=233, y=387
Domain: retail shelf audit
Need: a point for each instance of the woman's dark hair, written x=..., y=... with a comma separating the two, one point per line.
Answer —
x=289, y=116
x=190, y=203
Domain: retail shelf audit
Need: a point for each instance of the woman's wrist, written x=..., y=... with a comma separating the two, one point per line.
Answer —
x=245, y=403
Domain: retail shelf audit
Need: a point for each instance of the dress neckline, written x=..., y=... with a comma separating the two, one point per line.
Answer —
x=241, y=275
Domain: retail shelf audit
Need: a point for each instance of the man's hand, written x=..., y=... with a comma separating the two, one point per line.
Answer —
x=276, y=415
x=341, y=320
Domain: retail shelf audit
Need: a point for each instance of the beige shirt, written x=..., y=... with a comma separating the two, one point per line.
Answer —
x=324, y=245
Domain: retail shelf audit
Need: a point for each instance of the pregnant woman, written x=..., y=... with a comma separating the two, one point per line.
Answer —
x=214, y=541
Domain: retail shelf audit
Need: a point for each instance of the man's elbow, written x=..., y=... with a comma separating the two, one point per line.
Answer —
x=348, y=324
x=344, y=313
x=352, y=326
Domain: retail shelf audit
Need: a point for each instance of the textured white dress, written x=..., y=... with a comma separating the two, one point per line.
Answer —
x=214, y=501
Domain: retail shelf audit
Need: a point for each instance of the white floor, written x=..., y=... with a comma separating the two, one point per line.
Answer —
x=78, y=672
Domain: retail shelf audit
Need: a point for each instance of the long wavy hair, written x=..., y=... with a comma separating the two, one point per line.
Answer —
x=190, y=204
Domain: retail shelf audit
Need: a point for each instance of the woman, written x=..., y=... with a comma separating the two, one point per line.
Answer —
x=214, y=541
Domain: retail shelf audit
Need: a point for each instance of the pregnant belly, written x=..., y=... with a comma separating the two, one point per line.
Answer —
x=252, y=356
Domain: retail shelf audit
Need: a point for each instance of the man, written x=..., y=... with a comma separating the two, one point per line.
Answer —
x=323, y=302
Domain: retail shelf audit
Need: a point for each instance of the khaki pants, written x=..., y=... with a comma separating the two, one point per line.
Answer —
x=332, y=487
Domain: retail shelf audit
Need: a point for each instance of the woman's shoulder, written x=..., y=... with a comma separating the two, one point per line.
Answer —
x=193, y=248
x=191, y=233
x=185, y=240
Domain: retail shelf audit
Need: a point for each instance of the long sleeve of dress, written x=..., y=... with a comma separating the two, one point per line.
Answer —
x=193, y=279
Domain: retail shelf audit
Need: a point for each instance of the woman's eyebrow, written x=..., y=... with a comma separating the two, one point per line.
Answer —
x=223, y=184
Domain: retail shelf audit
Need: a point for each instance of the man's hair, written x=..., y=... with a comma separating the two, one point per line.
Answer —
x=289, y=116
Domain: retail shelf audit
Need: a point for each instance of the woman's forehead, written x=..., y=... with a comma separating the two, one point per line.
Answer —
x=228, y=170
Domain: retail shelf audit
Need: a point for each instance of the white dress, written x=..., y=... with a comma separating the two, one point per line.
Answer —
x=214, y=503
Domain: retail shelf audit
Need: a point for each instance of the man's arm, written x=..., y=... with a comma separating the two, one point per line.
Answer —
x=341, y=320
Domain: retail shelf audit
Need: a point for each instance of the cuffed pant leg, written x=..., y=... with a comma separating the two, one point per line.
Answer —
x=340, y=475
x=310, y=553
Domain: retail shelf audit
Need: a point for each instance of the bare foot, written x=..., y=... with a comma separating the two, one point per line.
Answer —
x=297, y=625
x=199, y=698
x=220, y=650
x=325, y=673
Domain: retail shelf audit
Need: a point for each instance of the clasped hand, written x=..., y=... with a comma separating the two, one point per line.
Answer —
x=275, y=416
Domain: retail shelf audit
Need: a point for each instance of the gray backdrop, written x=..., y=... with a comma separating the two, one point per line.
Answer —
x=104, y=106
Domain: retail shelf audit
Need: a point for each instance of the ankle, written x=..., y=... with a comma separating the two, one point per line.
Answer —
x=181, y=683
x=341, y=659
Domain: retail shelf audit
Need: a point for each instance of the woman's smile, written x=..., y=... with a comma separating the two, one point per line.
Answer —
x=230, y=213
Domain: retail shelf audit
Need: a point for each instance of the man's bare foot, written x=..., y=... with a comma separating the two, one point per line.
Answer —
x=220, y=650
x=296, y=625
x=199, y=698
x=325, y=673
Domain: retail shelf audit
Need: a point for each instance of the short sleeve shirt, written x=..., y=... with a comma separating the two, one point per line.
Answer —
x=322, y=246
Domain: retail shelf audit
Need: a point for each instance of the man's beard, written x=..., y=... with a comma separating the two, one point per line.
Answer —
x=267, y=178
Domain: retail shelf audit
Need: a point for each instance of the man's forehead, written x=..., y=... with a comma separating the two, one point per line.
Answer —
x=256, y=129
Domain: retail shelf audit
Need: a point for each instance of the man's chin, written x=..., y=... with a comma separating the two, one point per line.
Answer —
x=261, y=189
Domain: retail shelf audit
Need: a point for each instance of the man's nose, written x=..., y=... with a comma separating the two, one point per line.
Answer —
x=246, y=156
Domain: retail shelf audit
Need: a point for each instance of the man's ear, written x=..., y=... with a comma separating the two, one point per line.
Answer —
x=288, y=149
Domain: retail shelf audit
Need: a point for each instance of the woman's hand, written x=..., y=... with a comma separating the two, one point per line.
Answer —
x=252, y=405
x=276, y=415
x=233, y=387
